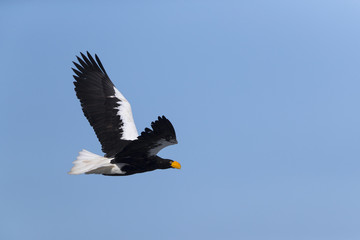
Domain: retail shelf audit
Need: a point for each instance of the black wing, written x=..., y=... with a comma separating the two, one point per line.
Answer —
x=160, y=136
x=150, y=141
x=107, y=110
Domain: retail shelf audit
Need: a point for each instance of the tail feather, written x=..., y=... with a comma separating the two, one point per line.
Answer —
x=88, y=162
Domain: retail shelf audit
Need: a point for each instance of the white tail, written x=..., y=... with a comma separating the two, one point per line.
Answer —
x=88, y=163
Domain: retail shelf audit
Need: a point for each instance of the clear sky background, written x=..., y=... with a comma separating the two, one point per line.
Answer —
x=264, y=97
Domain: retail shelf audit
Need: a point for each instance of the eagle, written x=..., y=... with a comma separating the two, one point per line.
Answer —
x=110, y=115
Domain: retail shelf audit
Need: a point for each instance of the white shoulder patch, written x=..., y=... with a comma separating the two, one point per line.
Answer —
x=124, y=111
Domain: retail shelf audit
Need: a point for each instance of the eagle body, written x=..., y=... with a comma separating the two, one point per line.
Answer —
x=110, y=115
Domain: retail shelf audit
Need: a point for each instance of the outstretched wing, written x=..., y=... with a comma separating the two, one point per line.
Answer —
x=107, y=110
x=151, y=141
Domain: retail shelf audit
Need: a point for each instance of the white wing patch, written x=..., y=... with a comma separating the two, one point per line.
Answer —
x=126, y=116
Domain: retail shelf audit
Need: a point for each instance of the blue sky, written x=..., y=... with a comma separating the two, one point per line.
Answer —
x=264, y=97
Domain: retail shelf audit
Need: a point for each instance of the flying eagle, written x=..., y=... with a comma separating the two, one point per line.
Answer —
x=109, y=113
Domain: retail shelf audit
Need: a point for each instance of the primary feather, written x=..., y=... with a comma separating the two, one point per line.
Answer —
x=107, y=110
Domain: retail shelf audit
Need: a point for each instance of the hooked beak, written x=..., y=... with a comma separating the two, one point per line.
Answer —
x=176, y=165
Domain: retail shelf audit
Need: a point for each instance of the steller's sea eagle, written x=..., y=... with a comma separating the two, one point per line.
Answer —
x=109, y=113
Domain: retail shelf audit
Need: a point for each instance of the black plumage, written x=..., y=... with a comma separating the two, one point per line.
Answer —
x=109, y=113
x=93, y=88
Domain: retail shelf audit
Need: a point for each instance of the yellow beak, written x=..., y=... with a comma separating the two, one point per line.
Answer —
x=175, y=164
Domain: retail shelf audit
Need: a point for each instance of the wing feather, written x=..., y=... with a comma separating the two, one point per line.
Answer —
x=106, y=109
x=151, y=141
